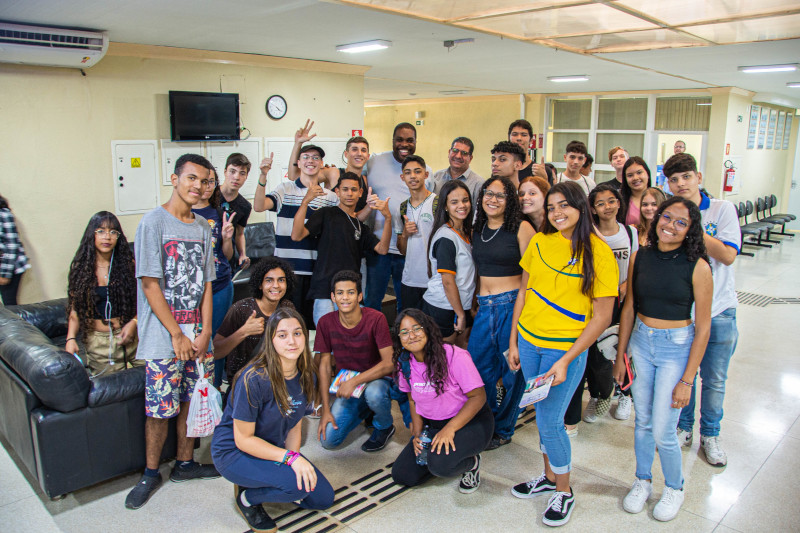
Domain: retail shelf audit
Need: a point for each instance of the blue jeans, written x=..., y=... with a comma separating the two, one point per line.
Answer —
x=660, y=357
x=322, y=307
x=553, y=439
x=349, y=412
x=487, y=343
x=379, y=268
x=221, y=301
x=714, y=373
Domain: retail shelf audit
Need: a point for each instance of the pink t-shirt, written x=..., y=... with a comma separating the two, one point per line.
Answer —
x=633, y=213
x=462, y=377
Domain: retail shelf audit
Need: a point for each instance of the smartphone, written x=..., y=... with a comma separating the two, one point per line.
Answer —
x=630, y=373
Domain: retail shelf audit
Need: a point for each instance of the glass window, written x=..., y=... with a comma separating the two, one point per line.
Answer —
x=622, y=114
x=558, y=141
x=600, y=176
x=570, y=114
x=683, y=114
x=632, y=142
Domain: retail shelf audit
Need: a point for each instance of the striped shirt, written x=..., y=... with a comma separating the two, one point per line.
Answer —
x=286, y=199
x=12, y=254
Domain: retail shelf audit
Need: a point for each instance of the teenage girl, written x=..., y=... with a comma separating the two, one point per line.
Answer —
x=446, y=393
x=256, y=444
x=532, y=191
x=652, y=198
x=101, y=297
x=667, y=277
x=499, y=239
x=636, y=180
x=450, y=266
x=566, y=299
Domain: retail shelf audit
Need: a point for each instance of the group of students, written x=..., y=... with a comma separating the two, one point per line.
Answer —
x=544, y=257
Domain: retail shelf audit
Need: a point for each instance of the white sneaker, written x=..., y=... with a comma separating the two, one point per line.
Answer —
x=668, y=506
x=623, y=411
x=637, y=496
x=715, y=455
x=684, y=438
x=571, y=433
x=589, y=415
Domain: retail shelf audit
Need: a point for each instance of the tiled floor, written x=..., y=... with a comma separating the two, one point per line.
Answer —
x=757, y=491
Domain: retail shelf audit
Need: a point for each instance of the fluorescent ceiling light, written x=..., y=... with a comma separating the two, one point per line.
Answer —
x=707, y=103
x=756, y=69
x=563, y=79
x=366, y=46
x=794, y=84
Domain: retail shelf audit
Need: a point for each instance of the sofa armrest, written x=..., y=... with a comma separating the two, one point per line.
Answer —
x=117, y=387
x=49, y=317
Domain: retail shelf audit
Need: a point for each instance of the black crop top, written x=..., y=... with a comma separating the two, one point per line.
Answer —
x=100, y=297
x=496, y=253
x=662, y=284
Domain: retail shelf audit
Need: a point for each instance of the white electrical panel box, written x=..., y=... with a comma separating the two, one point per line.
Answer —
x=136, y=183
x=218, y=153
x=171, y=151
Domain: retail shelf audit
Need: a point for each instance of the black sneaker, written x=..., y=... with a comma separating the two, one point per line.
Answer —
x=195, y=471
x=368, y=420
x=378, y=439
x=497, y=441
x=471, y=479
x=257, y=518
x=139, y=495
x=559, y=509
x=534, y=487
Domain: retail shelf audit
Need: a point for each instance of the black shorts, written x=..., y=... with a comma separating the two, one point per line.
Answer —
x=445, y=318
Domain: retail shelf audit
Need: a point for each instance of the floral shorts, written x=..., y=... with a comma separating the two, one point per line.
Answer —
x=170, y=382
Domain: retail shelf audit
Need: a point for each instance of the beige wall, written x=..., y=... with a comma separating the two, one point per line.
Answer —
x=58, y=126
x=484, y=120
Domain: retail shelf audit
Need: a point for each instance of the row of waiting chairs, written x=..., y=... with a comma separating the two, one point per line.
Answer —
x=760, y=230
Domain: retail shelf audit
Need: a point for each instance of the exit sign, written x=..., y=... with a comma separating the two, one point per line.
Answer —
x=357, y=133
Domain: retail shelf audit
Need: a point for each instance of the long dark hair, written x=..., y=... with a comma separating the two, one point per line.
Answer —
x=215, y=200
x=693, y=243
x=435, y=358
x=626, y=189
x=607, y=187
x=441, y=217
x=83, y=276
x=512, y=214
x=581, y=234
x=266, y=364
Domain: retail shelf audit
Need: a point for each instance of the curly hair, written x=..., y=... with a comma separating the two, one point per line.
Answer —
x=442, y=217
x=82, y=279
x=260, y=269
x=216, y=197
x=513, y=212
x=606, y=186
x=435, y=358
x=693, y=242
x=266, y=364
x=581, y=234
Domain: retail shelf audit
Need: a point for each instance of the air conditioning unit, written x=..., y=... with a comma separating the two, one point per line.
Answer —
x=54, y=47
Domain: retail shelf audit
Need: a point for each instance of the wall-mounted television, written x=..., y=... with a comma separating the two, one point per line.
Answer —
x=198, y=116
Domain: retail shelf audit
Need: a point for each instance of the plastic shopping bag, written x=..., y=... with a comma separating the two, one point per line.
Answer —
x=205, y=409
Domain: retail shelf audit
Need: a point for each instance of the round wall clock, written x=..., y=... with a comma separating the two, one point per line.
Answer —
x=276, y=107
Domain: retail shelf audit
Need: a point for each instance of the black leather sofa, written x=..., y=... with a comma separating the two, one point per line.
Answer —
x=69, y=431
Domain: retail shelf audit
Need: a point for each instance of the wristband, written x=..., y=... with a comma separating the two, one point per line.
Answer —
x=71, y=339
x=262, y=184
x=292, y=457
x=687, y=384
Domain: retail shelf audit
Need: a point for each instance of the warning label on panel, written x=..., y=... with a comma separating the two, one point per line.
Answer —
x=136, y=162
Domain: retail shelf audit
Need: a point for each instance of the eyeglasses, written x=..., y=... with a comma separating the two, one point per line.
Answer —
x=416, y=330
x=602, y=203
x=678, y=223
x=456, y=151
x=501, y=196
x=107, y=232
x=306, y=157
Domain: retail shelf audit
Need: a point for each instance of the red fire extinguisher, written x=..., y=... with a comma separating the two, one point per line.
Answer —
x=730, y=176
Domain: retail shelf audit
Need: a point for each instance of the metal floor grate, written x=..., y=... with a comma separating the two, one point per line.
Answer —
x=761, y=300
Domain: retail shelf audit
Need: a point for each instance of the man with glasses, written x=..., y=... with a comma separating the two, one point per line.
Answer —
x=459, y=156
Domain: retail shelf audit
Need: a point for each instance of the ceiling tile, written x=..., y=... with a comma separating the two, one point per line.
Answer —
x=680, y=12
x=575, y=20
x=763, y=29
x=630, y=41
x=447, y=9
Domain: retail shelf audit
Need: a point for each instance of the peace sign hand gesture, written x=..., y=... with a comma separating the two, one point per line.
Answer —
x=304, y=134
x=227, y=226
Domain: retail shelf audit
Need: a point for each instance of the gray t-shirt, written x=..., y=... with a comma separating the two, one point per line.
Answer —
x=180, y=255
x=622, y=248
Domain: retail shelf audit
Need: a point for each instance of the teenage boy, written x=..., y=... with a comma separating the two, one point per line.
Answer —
x=343, y=240
x=285, y=200
x=413, y=228
x=359, y=339
x=520, y=132
x=383, y=174
x=237, y=168
x=575, y=157
x=174, y=320
x=459, y=157
x=617, y=157
x=722, y=239
x=507, y=160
